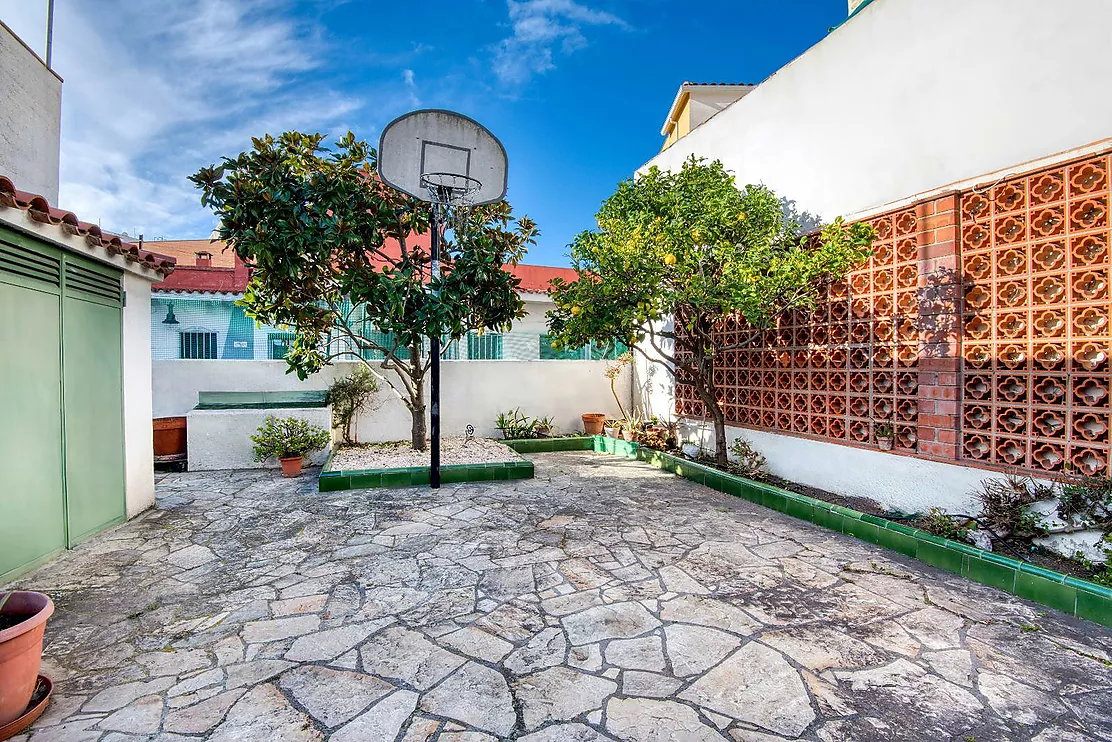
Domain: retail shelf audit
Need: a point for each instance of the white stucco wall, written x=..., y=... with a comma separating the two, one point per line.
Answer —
x=472, y=392
x=910, y=96
x=30, y=118
x=221, y=439
x=138, y=433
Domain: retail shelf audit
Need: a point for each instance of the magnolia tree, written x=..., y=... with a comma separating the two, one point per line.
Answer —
x=675, y=251
x=329, y=242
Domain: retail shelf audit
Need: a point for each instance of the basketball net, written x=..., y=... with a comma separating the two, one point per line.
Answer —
x=452, y=196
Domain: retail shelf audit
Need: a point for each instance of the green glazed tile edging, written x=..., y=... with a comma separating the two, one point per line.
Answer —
x=550, y=445
x=1067, y=594
x=415, y=476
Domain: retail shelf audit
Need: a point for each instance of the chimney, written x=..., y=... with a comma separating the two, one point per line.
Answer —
x=204, y=259
x=854, y=5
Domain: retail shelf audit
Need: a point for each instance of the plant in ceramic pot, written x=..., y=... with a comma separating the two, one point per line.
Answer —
x=288, y=439
x=23, y=616
x=884, y=436
x=612, y=428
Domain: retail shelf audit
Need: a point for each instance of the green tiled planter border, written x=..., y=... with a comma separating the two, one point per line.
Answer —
x=1067, y=594
x=549, y=445
x=416, y=476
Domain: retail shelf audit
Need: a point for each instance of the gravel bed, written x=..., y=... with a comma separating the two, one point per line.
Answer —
x=399, y=454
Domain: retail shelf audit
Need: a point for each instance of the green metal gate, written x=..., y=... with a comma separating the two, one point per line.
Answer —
x=61, y=400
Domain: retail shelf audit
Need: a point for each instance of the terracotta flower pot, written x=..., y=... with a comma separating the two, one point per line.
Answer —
x=627, y=434
x=169, y=436
x=884, y=443
x=21, y=650
x=592, y=423
x=291, y=467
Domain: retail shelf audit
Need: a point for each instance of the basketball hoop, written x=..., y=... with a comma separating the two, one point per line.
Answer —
x=454, y=163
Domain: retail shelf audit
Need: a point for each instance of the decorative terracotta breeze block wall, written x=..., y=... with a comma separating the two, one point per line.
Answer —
x=979, y=330
x=1035, y=341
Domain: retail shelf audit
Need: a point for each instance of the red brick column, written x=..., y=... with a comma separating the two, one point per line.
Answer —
x=939, y=328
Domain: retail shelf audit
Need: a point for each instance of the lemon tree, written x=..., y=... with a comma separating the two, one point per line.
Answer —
x=679, y=250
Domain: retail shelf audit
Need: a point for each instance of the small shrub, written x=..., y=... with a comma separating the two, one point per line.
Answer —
x=1005, y=505
x=1087, y=499
x=746, y=461
x=938, y=523
x=515, y=425
x=287, y=437
x=349, y=395
x=652, y=438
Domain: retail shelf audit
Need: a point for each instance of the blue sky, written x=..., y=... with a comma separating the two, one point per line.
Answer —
x=576, y=89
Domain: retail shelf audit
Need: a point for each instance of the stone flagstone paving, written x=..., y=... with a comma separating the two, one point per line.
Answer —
x=603, y=600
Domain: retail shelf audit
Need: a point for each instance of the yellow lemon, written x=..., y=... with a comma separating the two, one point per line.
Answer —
x=669, y=259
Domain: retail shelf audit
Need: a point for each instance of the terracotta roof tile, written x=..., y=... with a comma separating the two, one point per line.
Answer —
x=231, y=276
x=41, y=211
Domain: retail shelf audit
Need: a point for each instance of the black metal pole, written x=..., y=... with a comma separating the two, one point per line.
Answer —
x=434, y=351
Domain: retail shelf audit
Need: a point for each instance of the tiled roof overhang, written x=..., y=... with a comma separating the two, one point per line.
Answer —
x=38, y=209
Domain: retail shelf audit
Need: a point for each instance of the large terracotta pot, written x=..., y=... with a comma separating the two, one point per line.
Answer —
x=592, y=423
x=21, y=651
x=169, y=436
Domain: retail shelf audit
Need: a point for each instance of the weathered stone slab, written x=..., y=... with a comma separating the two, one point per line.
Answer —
x=756, y=685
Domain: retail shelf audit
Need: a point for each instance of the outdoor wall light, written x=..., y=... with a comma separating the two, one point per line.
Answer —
x=170, y=318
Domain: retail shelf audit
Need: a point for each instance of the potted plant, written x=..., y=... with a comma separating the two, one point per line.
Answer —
x=612, y=427
x=593, y=423
x=288, y=439
x=23, y=616
x=884, y=437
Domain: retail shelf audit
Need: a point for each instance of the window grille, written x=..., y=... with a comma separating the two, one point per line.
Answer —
x=197, y=345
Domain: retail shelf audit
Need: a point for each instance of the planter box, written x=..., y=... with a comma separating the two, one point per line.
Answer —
x=418, y=476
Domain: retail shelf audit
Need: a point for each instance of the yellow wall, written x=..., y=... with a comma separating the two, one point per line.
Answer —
x=681, y=127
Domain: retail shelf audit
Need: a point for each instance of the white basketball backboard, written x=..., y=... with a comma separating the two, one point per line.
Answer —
x=442, y=142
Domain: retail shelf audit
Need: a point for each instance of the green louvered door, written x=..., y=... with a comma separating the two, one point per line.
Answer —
x=61, y=400
x=92, y=350
x=32, y=505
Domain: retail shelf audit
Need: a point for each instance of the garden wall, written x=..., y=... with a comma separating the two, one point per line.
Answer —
x=473, y=392
x=980, y=329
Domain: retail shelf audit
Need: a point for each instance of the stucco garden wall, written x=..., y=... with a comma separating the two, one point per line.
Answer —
x=473, y=392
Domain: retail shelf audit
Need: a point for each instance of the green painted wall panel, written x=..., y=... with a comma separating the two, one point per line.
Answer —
x=94, y=435
x=32, y=519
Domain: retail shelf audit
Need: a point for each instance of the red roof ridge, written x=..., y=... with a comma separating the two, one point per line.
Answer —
x=40, y=210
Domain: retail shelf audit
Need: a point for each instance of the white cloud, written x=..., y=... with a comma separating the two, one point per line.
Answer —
x=539, y=28
x=155, y=89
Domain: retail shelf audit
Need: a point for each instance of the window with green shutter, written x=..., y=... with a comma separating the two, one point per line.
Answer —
x=278, y=344
x=485, y=347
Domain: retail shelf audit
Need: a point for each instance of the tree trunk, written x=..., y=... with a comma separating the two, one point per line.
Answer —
x=705, y=388
x=720, y=455
x=418, y=430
